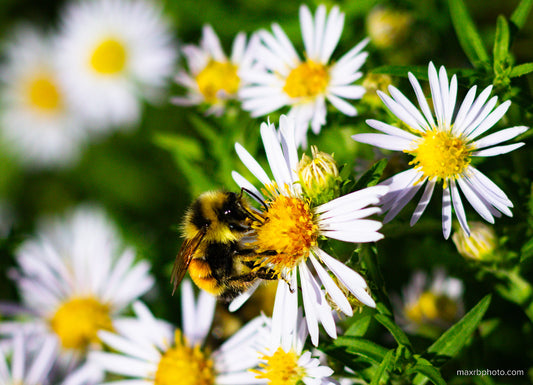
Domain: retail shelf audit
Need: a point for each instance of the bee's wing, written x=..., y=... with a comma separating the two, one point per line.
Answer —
x=184, y=257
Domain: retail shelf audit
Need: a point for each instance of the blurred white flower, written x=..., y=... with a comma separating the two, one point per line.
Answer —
x=111, y=54
x=74, y=278
x=213, y=78
x=151, y=351
x=36, y=118
x=430, y=303
x=280, y=78
x=22, y=361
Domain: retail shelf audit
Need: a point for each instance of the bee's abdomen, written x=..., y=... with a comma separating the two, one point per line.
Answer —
x=200, y=273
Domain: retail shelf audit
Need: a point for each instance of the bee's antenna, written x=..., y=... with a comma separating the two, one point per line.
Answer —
x=255, y=196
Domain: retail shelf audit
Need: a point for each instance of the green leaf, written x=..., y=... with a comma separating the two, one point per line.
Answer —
x=382, y=368
x=397, y=333
x=467, y=33
x=371, y=177
x=421, y=72
x=520, y=14
x=367, y=349
x=359, y=327
x=429, y=371
x=521, y=69
x=501, y=45
x=453, y=339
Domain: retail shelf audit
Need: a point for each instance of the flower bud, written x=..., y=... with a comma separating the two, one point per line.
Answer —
x=481, y=244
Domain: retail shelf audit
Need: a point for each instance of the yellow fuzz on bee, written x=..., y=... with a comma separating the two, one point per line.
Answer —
x=289, y=228
x=307, y=80
x=184, y=365
x=109, y=57
x=78, y=320
x=43, y=93
x=281, y=368
x=441, y=156
x=432, y=307
x=216, y=78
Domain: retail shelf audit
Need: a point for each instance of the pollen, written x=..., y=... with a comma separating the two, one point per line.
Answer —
x=289, y=229
x=281, y=368
x=432, y=307
x=184, y=365
x=307, y=80
x=109, y=57
x=218, y=79
x=441, y=155
x=78, y=320
x=43, y=94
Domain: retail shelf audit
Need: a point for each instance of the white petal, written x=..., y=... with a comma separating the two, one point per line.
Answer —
x=42, y=362
x=342, y=105
x=348, y=277
x=205, y=311
x=276, y=160
x=490, y=120
x=403, y=197
x=237, y=50
x=320, y=21
x=436, y=94
x=446, y=213
x=306, y=24
x=244, y=183
x=498, y=150
x=387, y=142
x=212, y=43
x=463, y=110
x=391, y=130
x=424, y=201
x=309, y=300
x=500, y=136
x=333, y=32
x=458, y=206
x=474, y=200
x=422, y=102
x=409, y=107
x=347, y=91
x=474, y=111
x=242, y=298
x=252, y=164
x=118, y=364
x=400, y=111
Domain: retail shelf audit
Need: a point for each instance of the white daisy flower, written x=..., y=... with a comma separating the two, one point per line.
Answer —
x=213, y=78
x=292, y=228
x=36, y=117
x=430, y=302
x=112, y=53
x=74, y=278
x=443, y=150
x=21, y=362
x=283, y=360
x=281, y=78
x=152, y=352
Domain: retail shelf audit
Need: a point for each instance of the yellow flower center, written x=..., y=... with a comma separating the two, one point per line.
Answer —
x=78, y=320
x=432, y=307
x=307, y=80
x=109, y=57
x=281, y=368
x=217, y=79
x=184, y=365
x=441, y=156
x=43, y=93
x=288, y=228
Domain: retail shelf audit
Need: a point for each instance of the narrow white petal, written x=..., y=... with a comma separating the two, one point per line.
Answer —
x=309, y=300
x=333, y=32
x=391, y=130
x=320, y=22
x=490, y=120
x=239, y=378
x=360, y=199
x=276, y=160
x=423, y=203
x=118, y=364
x=422, y=102
x=498, y=150
x=401, y=200
x=285, y=44
x=337, y=296
x=244, y=183
x=436, y=94
x=347, y=91
x=475, y=201
x=409, y=107
x=42, y=362
x=187, y=308
x=238, y=48
x=446, y=213
x=458, y=206
x=388, y=142
x=306, y=24
x=334, y=222
x=241, y=299
x=212, y=43
x=252, y=165
x=474, y=111
x=500, y=136
x=348, y=277
x=450, y=105
x=357, y=236
x=463, y=110
x=342, y=105
x=400, y=111
x=205, y=311
x=287, y=129
x=17, y=360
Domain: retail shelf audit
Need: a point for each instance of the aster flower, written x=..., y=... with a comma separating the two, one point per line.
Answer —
x=36, y=117
x=21, y=362
x=280, y=78
x=292, y=227
x=151, y=351
x=430, y=303
x=74, y=278
x=112, y=53
x=284, y=361
x=443, y=150
x=213, y=79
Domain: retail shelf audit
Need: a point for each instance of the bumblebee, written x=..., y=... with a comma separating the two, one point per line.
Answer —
x=213, y=251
